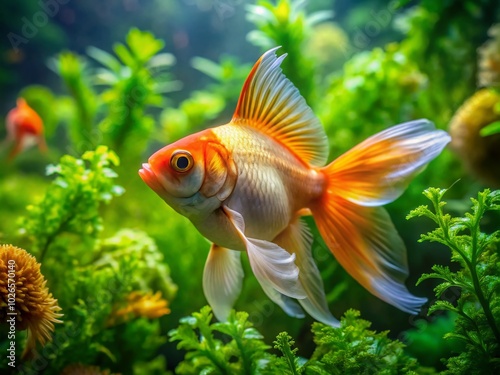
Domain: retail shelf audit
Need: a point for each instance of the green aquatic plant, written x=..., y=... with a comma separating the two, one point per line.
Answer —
x=228, y=75
x=151, y=271
x=244, y=353
x=204, y=106
x=71, y=203
x=476, y=282
x=112, y=290
x=286, y=24
x=74, y=71
x=137, y=78
x=350, y=349
x=289, y=363
x=376, y=89
x=113, y=104
x=354, y=349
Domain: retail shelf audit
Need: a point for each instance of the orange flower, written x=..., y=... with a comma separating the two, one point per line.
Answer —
x=34, y=307
x=140, y=304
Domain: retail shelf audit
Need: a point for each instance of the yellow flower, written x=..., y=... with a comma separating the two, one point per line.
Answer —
x=23, y=293
x=479, y=154
x=140, y=304
x=79, y=369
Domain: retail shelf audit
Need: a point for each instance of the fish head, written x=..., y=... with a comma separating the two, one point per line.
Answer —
x=193, y=175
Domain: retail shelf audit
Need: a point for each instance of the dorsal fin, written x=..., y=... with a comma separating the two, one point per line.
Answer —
x=270, y=103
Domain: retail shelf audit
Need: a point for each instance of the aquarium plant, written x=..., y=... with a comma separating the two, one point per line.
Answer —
x=350, y=349
x=474, y=285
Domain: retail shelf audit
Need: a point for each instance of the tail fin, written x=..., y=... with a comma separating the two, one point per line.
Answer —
x=361, y=235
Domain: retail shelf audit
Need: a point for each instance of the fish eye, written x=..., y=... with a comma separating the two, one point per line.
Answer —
x=181, y=161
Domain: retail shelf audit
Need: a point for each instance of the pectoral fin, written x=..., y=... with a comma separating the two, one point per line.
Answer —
x=273, y=266
x=222, y=280
x=297, y=239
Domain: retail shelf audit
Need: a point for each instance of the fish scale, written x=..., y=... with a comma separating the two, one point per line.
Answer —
x=270, y=179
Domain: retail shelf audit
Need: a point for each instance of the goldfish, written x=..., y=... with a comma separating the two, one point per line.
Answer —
x=24, y=128
x=247, y=185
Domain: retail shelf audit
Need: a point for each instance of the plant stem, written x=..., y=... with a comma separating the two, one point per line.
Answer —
x=475, y=279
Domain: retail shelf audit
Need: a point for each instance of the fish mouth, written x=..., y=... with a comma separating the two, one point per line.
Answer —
x=150, y=178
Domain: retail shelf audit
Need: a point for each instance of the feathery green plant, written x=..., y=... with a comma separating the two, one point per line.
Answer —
x=92, y=277
x=71, y=203
x=477, y=279
x=136, y=81
x=289, y=363
x=245, y=353
x=74, y=71
x=355, y=349
x=350, y=349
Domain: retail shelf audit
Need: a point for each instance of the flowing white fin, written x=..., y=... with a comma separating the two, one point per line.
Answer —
x=270, y=103
x=273, y=267
x=222, y=280
x=289, y=306
x=297, y=239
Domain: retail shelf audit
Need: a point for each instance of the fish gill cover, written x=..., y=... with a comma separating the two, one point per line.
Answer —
x=104, y=279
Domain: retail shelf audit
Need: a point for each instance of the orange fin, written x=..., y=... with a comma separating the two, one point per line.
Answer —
x=270, y=103
x=377, y=171
x=17, y=148
x=367, y=245
x=222, y=280
x=297, y=239
x=361, y=236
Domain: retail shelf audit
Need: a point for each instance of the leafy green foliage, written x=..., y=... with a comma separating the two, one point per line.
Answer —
x=354, y=349
x=74, y=71
x=477, y=279
x=136, y=81
x=379, y=88
x=289, y=363
x=117, y=95
x=493, y=128
x=203, y=106
x=285, y=24
x=243, y=354
x=91, y=276
x=151, y=272
x=71, y=204
x=350, y=349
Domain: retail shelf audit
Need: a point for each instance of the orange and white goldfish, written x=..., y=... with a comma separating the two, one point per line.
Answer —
x=24, y=128
x=245, y=186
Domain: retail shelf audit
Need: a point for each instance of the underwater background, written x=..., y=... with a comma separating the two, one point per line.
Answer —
x=109, y=278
